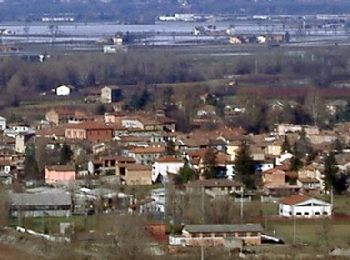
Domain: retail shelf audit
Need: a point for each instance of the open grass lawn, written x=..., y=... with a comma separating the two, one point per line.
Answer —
x=322, y=232
x=342, y=204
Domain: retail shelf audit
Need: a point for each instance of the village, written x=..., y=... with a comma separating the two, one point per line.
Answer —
x=207, y=188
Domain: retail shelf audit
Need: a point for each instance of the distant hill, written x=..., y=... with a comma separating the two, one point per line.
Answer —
x=145, y=11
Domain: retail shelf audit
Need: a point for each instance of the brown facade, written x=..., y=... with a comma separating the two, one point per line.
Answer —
x=91, y=132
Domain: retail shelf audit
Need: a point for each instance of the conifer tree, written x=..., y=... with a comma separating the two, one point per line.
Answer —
x=244, y=167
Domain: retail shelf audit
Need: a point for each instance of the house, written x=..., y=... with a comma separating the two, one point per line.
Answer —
x=112, y=163
x=5, y=166
x=138, y=174
x=56, y=204
x=232, y=148
x=6, y=178
x=146, y=155
x=153, y=205
x=63, y=90
x=2, y=123
x=59, y=174
x=283, y=129
x=118, y=39
x=216, y=187
x=235, y=40
x=309, y=184
x=111, y=94
x=91, y=131
x=14, y=130
x=21, y=141
x=274, y=178
x=215, y=235
x=304, y=207
x=149, y=123
x=64, y=115
x=164, y=166
x=206, y=110
x=311, y=175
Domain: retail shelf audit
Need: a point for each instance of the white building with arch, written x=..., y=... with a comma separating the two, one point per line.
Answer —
x=302, y=206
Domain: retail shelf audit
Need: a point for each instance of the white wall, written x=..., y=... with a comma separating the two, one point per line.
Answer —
x=132, y=123
x=160, y=168
x=63, y=91
x=305, y=211
x=2, y=123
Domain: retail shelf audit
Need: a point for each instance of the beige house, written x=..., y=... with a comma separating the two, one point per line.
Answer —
x=138, y=174
x=232, y=149
x=110, y=94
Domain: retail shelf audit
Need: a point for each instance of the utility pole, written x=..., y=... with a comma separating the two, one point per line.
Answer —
x=203, y=219
x=332, y=196
x=294, y=227
x=241, y=213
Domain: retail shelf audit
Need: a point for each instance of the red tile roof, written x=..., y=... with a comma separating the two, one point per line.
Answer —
x=169, y=159
x=90, y=125
x=138, y=167
x=148, y=149
x=295, y=199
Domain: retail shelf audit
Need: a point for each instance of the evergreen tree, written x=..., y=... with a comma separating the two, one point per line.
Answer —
x=286, y=147
x=170, y=148
x=31, y=169
x=185, y=174
x=295, y=164
x=244, y=167
x=302, y=147
x=65, y=154
x=144, y=98
x=209, y=162
x=338, y=146
x=330, y=171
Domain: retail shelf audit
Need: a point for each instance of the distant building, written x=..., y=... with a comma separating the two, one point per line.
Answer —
x=138, y=174
x=59, y=174
x=63, y=90
x=164, y=166
x=216, y=187
x=2, y=123
x=65, y=115
x=21, y=142
x=304, y=207
x=114, y=48
x=90, y=131
x=215, y=235
x=111, y=94
x=40, y=204
x=146, y=155
x=14, y=130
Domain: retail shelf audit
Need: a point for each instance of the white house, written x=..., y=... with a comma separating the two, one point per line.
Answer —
x=304, y=207
x=164, y=166
x=63, y=90
x=2, y=123
x=18, y=129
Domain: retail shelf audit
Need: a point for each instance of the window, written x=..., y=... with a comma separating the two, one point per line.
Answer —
x=298, y=214
x=325, y=213
x=317, y=213
x=306, y=213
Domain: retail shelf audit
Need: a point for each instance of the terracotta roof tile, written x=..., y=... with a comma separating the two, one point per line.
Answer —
x=169, y=159
x=295, y=199
x=148, y=149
